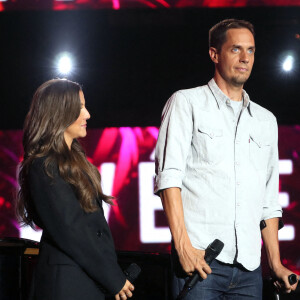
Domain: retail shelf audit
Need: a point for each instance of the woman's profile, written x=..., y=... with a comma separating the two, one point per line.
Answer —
x=60, y=191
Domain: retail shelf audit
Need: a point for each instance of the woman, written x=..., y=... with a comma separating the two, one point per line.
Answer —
x=60, y=192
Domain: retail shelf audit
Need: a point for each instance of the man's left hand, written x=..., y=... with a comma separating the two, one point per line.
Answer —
x=280, y=274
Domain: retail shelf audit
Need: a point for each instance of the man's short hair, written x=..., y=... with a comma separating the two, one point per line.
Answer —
x=217, y=34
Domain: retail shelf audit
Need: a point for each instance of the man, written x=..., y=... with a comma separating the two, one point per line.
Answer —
x=217, y=175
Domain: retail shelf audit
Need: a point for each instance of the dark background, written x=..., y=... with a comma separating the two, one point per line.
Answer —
x=131, y=61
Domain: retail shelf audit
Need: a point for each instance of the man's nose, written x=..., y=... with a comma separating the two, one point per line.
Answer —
x=244, y=57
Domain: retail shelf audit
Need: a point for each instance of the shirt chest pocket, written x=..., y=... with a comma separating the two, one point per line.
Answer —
x=259, y=151
x=208, y=143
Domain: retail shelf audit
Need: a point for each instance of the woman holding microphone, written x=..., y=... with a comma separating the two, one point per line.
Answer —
x=60, y=191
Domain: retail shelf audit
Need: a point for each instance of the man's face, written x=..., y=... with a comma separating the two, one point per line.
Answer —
x=235, y=60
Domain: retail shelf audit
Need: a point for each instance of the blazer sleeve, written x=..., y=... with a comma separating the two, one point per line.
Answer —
x=85, y=237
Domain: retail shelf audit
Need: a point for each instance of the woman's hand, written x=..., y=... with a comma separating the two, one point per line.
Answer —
x=126, y=291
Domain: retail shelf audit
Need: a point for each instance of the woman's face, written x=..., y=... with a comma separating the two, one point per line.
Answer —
x=78, y=128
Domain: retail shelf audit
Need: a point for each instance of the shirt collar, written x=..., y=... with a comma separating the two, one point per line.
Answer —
x=222, y=99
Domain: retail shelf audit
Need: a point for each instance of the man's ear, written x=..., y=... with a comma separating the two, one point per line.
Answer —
x=213, y=53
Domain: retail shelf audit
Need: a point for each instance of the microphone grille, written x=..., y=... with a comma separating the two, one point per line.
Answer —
x=132, y=272
x=217, y=246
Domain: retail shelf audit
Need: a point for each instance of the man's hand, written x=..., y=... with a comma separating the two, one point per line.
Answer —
x=126, y=291
x=280, y=275
x=192, y=259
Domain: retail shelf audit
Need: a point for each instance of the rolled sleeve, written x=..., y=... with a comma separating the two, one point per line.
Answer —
x=173, y=144
x=271, y=208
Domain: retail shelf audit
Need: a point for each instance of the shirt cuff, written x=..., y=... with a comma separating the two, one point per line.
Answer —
x=168, y=179
x=272, y=214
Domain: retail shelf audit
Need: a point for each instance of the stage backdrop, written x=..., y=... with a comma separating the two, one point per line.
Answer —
x=125, y=158
x=119, y=4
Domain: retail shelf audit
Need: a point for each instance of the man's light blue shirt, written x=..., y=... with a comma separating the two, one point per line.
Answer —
x=226, y=167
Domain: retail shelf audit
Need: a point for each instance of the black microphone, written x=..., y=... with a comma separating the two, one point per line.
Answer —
x=132, y=272
x=211, y=252
x=292, y=279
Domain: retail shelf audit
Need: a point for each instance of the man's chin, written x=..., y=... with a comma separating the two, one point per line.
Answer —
x=239, y=81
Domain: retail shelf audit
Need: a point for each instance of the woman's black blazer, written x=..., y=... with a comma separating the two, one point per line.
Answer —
x=77, y=253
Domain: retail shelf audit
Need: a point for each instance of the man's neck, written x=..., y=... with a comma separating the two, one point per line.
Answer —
x=232, y=92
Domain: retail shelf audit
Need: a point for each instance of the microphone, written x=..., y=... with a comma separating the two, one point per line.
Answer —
x=132, y=272
x=211, y=252
x=292, y=279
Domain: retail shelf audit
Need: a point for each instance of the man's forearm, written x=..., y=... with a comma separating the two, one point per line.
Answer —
x=172, y=203
x=271, y=244
x=270, y=238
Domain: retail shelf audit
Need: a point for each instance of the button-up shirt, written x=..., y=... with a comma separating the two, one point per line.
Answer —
x=225, y=166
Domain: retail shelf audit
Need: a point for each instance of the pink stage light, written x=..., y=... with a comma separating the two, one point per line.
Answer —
x=116, y=4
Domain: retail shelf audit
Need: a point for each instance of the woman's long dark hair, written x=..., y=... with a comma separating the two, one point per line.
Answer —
x=54, y=107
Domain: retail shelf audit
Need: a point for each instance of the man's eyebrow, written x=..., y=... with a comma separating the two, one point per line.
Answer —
x=239, y=46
